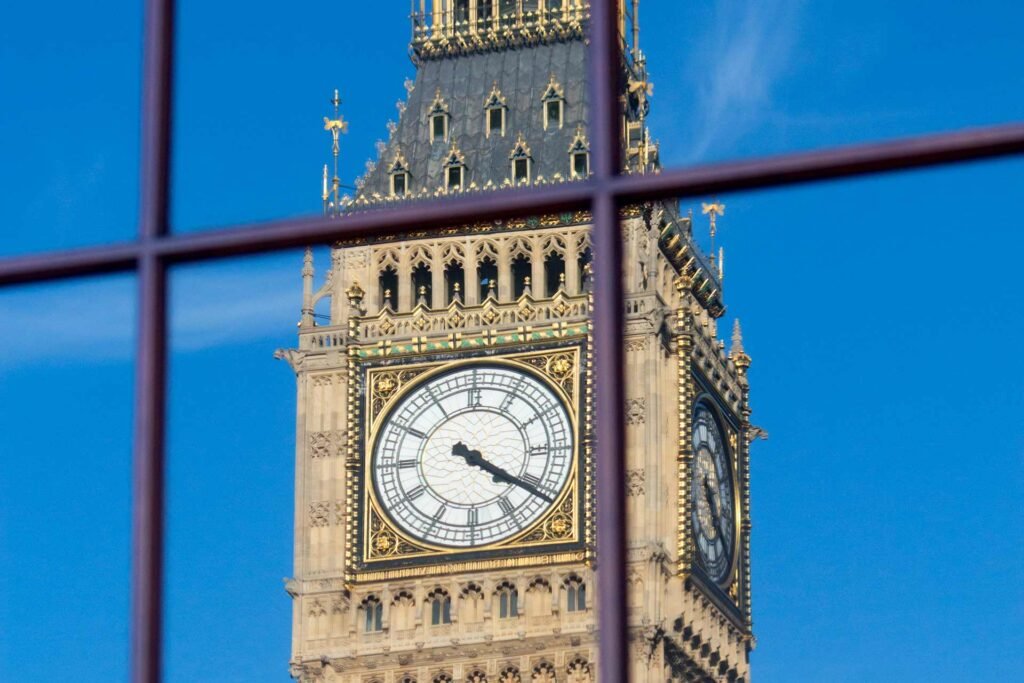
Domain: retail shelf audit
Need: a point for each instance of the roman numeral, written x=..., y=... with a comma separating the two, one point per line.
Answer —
x=406, y=464
x=416, y=492
x=474, y=398
x=415, y=432
x=472, y=516
x=506, y=506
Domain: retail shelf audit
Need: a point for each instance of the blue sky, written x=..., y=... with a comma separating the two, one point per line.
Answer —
x=883, y=317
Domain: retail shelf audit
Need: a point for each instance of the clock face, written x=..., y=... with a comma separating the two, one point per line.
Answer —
x=713, y=519
x=473, y=456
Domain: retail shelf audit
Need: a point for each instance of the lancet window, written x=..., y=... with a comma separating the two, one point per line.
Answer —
x=387, y=283
x=576, y=594
x=440, y=608
x=487, y=276
x=554, y=273
x=422, y=284
x=373, y=615
x=508, y=601
x=454, y=281
x=521, y=271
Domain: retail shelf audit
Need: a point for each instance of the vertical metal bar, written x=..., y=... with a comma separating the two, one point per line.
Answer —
x=604, y=76
x=151, y=358
x=610, y=467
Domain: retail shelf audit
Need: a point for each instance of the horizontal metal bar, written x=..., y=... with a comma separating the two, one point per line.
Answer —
x=80, y=262
x=786, y=169
x=827, y=164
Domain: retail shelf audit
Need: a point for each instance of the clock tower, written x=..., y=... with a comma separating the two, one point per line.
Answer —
x=444, y=498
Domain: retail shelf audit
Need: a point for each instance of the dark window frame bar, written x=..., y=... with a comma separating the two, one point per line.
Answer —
x=156, y=250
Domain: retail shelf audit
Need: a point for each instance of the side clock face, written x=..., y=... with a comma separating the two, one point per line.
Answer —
x=473, y=456
x=713, y=517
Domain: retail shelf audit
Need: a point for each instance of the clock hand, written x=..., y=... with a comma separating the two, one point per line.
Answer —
x=716, y=508
x=476, y=459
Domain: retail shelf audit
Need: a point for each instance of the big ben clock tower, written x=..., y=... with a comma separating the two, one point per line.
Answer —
x=444, y=504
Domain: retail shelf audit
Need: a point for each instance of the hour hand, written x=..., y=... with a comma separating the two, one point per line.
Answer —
x=476, y=459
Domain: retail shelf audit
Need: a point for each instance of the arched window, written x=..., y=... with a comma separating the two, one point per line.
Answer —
x=422, y=282
x=442, y=678
x=373, y=615
x=576, y=594
x=476, y=676
x=554, y=273
x=388, y=283
x=585, y=259
x=487, y=276
x=508, y=601
x=454, y=280
x=440, y=608
x=521, y=271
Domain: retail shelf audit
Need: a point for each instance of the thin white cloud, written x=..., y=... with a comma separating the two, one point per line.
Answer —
x=94, y=320
x=89, y=321
x=735, y=66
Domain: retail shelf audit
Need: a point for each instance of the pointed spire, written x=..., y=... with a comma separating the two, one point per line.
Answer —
x=457, y=293
x=526, y=286
x=422, y=301
x=307, y=289
x=736, y=353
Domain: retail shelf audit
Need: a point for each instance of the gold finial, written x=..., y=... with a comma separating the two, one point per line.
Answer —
x=355, y=295
x=336, y=127
x=714, y=210
x=458, y=287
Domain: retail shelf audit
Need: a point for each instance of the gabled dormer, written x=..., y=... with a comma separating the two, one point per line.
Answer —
x=521, y=161
x=553, y=104
x=439, y=117
x=579, y=155
x=495, y=113
x=454, y=170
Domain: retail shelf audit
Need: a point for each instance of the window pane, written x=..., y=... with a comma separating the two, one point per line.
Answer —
x=253, y=84
x=894, y=443
x=770, y=77
x=65, y=516
x=231, y=469
x=70, y=101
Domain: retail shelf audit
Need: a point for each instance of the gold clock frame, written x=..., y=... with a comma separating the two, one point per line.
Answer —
x=377, y=549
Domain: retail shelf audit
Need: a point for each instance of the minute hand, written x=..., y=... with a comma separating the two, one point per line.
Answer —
x=476, y=459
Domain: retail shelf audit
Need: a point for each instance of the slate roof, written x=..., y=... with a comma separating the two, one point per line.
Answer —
x=465, y=82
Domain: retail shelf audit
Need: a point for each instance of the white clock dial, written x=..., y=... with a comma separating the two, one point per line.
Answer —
x=712, y=495
x=473, y=456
